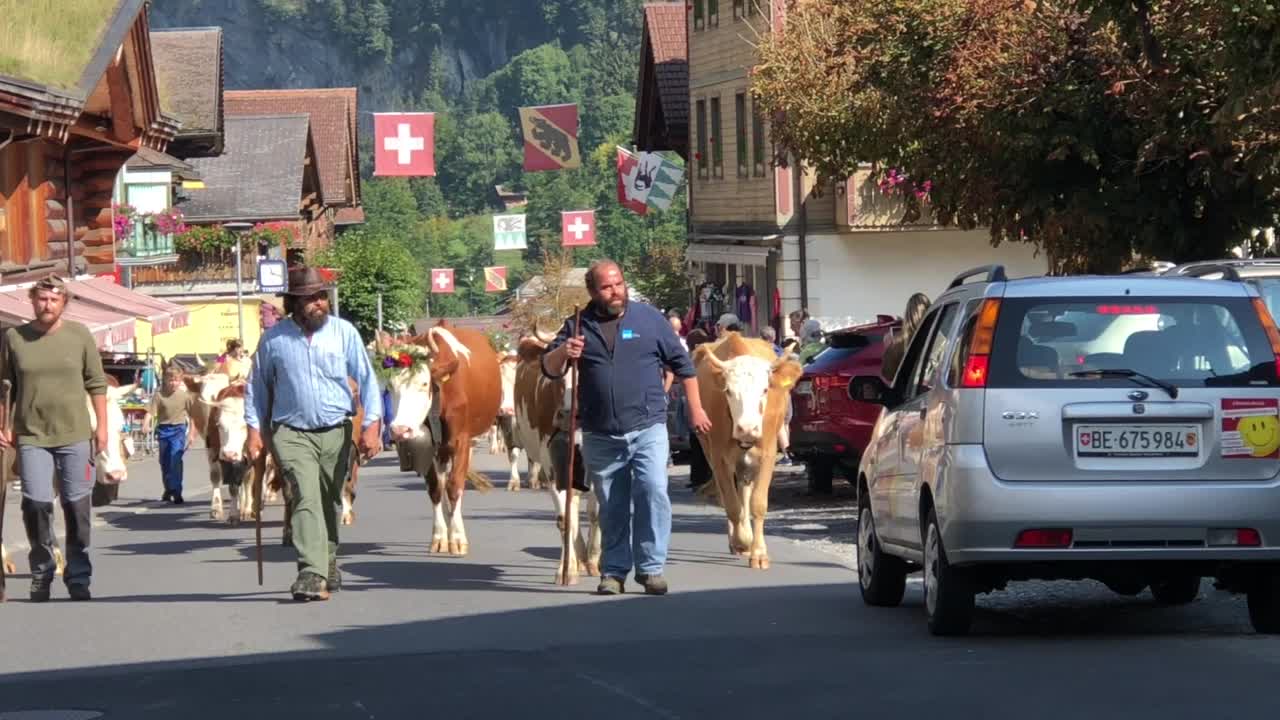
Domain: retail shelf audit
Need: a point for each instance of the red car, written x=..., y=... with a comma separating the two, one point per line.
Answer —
x=829, y=430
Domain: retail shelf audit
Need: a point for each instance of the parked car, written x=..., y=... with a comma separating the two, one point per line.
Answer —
x=1262, y=273
x=1121, y=428
x=829, y=428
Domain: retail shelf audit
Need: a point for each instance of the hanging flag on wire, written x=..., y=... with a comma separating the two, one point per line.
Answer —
x=442, y=280
x=508, y=232
x=404, y=144
x=578, y=228
x=647, y=180
x=495, y=279
x=550, y=137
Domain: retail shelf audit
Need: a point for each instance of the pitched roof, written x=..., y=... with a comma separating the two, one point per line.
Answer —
x=188, y=65
x=259, y=174
x=333, y=127
x=664, y=28
x=65, y=53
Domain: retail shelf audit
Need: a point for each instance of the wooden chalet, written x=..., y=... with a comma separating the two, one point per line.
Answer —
x=662, y=100
x=69, y=119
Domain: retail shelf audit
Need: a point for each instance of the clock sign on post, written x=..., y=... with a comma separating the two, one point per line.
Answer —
x=272, y=276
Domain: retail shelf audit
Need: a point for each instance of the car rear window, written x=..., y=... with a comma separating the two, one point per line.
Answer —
x=1191, y=342
x=842, y=347
x=1269, y=289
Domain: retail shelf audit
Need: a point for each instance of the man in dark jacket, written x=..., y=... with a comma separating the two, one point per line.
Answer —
x=623, y=350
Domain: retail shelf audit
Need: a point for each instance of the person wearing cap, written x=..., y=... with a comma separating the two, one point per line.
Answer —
x=299, y=401
x=47, y=359
x=728, y=322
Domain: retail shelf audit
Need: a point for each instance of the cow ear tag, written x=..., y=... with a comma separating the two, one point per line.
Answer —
x=785, y=383
x=445, y=379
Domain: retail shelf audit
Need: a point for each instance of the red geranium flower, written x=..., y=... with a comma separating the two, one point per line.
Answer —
x=405, y=360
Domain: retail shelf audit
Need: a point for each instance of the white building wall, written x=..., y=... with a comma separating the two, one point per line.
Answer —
x=855, y=276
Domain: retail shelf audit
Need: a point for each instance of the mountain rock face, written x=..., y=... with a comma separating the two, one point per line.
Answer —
x=310, y=46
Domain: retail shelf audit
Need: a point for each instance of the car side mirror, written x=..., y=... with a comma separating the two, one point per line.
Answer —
x=868, y=389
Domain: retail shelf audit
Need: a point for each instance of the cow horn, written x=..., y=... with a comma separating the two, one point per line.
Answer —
x=431, y=341
x=544, y=338
x=705, y=353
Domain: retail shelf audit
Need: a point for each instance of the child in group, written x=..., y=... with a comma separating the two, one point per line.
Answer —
x=174, y=432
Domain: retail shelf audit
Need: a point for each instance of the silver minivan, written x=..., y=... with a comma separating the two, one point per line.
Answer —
x=1120, y=428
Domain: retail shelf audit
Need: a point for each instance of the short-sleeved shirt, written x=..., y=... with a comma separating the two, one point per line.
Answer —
x=47, y=369
x=170, y=409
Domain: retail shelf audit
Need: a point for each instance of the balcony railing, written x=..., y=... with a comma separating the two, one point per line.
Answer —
x=215, y=266
x=145, y=247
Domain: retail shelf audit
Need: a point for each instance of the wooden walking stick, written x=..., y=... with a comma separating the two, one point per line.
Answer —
x=573, y=427
x=7, y=389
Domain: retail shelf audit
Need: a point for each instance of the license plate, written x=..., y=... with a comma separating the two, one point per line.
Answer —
x=1115, y=441
x=804, y=387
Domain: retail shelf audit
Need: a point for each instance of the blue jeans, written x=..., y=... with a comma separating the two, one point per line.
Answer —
x=173, y=442
x=631, y=470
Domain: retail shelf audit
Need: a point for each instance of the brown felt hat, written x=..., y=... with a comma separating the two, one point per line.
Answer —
x=306, y=281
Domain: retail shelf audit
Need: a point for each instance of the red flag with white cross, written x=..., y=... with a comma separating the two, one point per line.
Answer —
x=442, y=280
x=404, y=144
x=578, y=228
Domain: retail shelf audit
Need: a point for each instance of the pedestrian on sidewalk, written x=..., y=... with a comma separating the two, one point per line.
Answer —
x=699, y=468
x=622, y=353
x=52, y=362
x=170, y=408
x=300, y=404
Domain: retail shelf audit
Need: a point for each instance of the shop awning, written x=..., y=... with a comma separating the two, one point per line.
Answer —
x=104, y=293
x=108, y=328
x=728, y=254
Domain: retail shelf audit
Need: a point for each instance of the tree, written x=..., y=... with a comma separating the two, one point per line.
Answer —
x=1099, y=130
x=370, y=264
x=478, y=152
x=389, y=205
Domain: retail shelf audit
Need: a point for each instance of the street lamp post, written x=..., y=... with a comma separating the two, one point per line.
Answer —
x=238, y=229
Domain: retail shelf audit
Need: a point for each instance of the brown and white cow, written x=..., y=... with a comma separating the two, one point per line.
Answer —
x=462, y=370
x=744, y=387
x=505, y=441
x=538, y=399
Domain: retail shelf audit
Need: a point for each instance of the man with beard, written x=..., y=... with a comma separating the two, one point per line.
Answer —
x=299, y=398
x=622, y=352
x=48, y=360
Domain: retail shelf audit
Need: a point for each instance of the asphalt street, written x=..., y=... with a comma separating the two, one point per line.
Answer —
x=179, y=627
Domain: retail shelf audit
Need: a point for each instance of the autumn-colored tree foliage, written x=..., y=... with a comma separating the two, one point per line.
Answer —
x=1102, y=130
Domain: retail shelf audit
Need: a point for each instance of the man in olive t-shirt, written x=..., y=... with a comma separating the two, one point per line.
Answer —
x=52, y=363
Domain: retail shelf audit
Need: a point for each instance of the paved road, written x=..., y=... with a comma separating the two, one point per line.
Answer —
x=180, y=629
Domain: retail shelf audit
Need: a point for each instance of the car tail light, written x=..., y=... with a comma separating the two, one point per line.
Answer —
x=984, y=333
x=1044, y=538
x=1269, y=325
x=1234, y=537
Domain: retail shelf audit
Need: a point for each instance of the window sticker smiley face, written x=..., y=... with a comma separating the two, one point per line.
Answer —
x=1261, y=434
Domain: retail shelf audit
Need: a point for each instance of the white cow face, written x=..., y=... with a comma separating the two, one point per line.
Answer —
x=507, y=372
x=410, y=402
x=746, y=386
x=112, y=460
x=232, y=430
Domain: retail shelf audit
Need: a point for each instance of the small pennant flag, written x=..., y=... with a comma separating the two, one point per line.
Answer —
x=495, y=279
x=404, y=144
x=578, y=228
x=508, y=232
x=442, y=280
x=647, y=180
x=550, y=137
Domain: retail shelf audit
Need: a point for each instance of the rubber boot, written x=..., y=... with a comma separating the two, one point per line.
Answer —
x=78, y=515
x=37, y=518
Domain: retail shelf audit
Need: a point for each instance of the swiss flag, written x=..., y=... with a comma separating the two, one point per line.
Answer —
x=578, y=228
x=442, y=280
x=404, y=144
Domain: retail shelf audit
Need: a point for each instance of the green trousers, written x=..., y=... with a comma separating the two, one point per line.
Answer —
x=315, y=465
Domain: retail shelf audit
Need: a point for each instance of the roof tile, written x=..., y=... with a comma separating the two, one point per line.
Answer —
x=259, y=174
x=189, y=76
x=668, y=44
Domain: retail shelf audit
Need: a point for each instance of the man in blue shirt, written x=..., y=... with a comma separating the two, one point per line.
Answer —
x=622, y=352
x=300, y=400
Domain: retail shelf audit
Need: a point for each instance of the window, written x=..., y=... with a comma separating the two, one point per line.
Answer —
x=699, y=14
x=905, y=381
x=937, y=348
x=713, y=13
x=757, y=140
x=701, y=112
x=740, y=9
x=717, y=144
x=740, y=117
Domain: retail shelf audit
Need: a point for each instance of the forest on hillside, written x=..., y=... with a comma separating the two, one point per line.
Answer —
x=538, y=52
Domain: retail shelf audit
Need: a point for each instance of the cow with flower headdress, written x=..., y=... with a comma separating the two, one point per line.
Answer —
x=446, y=390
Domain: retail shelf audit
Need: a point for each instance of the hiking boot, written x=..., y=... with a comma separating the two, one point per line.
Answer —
x=40, y=589
x=79, y=592
x=610, y=585
x=177, y=499
x=653, y=584
x=334, y=582
x=309, y=586
x=166, y=497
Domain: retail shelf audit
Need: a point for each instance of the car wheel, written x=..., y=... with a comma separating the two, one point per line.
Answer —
x=1264, y=605
x=882, y=577
x=948, y=591
x=1176, y=591
x=820, y=472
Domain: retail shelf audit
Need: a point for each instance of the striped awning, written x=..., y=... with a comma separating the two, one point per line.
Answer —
x=104, y=293
x=109, y=328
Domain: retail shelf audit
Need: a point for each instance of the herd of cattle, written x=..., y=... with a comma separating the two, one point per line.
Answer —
x=463, y=391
